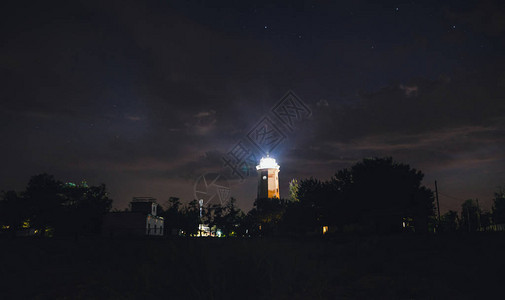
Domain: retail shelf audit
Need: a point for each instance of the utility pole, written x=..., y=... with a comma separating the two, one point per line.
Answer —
x=438, y=203
x=478, y=214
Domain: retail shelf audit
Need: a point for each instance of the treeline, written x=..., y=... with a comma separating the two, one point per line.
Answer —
x=375, y=195
x=48, y=206
x=472, y=218
x=185, y=219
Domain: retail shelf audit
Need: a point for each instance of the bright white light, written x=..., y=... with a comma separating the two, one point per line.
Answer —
x=267, y=163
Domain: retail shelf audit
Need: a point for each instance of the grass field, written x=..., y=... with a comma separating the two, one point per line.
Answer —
x=386, y=267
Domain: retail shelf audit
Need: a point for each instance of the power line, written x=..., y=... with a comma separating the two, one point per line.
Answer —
x=444, y=206
x=452, y=197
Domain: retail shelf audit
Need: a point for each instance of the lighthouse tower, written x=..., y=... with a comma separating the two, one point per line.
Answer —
x=268, y=180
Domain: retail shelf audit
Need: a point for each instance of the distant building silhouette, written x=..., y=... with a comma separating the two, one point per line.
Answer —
x=141, y=220
x=268, y=178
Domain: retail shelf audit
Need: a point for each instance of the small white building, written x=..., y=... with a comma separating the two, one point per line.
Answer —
x=142, y=219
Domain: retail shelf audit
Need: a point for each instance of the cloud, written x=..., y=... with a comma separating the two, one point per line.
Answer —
x=202, y=122
x=409, y=90
x=486, y=17
x=468, y=100
x=133, y=118
x=204, y=114
x=322, y=103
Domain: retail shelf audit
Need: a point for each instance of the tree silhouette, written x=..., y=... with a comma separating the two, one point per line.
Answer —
x=48, y=204
x=498, y=209
x=44, y=202
x=449, y=221
x=388, y=192
x=293, y=190
x=232, y=218
x=486, y=220
x=214, y=216
x=83, y=208
x=311, y=195
x=173, y=216
x=191, y=218
x=469, y=216
x=374, y=195
x=13, y=211
x=266, y=216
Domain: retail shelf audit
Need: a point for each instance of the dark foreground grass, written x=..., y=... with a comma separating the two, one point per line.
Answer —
x=387, y=267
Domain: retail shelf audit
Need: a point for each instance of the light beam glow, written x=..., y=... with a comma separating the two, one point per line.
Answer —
x=267, y=163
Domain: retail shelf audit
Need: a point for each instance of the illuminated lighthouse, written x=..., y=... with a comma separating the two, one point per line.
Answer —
x=268, y=178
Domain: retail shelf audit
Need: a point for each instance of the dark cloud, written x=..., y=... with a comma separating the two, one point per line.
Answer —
x=483, y=16
x=427, y=105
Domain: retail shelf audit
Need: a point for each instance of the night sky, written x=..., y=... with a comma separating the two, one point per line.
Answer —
x=147, y=96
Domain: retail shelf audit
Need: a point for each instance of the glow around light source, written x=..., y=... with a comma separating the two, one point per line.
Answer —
x=267, y=163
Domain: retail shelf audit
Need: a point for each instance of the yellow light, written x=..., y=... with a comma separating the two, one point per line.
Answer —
x=26, y=224
x=325, y=229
